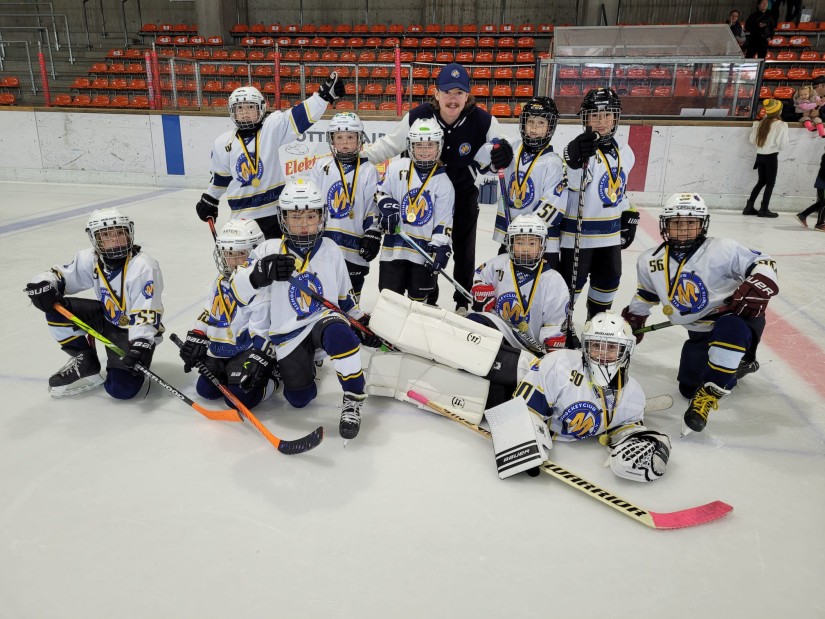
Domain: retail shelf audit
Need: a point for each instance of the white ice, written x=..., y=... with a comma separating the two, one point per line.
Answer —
x=146, y=509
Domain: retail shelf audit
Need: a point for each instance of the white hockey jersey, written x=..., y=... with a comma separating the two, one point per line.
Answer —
x=250, y=171
x=556, y=387
x=130, y=296
x=286, y=315
x=531, y=301
x=351, y=209
x=690, y=290
x=605, y=197
x=427, y=200
x=225, y=321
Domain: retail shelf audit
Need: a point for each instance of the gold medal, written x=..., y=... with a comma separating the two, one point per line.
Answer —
x=410, y=213
x=256, y=182
x=352, y=214
x=523, y=326
x=667, y=310
x=518, y=202
x=123, y=321
x=613, y=195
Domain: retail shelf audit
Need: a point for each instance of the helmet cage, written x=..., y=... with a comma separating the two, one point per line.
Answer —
x=349, y=123
x=425, y=130
x=238, y=235
x=244, y=96
x=526, y=225
x=101, y=227
x=601, y=100
x=607, y=343
x=684, y=205
x=300, y=196
x=543, y=107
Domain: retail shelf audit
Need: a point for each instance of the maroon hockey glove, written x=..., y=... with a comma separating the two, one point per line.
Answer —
x=635, y=321
x=484, y=297
x=752, y=296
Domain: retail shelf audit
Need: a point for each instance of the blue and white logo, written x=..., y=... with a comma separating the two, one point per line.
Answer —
x=301, y=302
x=581, y=420
x=415, y=210
x=690, y=294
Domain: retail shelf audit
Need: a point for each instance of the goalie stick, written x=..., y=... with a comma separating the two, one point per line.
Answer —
x=413, y=245
x=690, y=517
x=657, y=403
x=310, y=441
x=220, y=415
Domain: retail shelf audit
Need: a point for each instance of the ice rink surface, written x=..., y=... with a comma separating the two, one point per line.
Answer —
x=145, y=509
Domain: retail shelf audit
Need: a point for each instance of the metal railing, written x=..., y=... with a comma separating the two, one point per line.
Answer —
x=3, y=45
x=56, y=40
x=34, y=28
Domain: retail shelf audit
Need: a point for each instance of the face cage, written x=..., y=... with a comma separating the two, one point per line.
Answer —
x=617, y=116
x=220, y=261
x=534, y=145
x=303, y=243
x=346, y=157
x=602, y=372
x=117, y=253
x=424, y=165
x=683, y=246
x=521, y=261
x=246, y=124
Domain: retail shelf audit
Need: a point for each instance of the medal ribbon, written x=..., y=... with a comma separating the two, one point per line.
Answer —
x=120, y=301
x=671, y=283
x=349, y=193
x=252, y=169
x=533, y=288
x=613, y=183
x=414, y=203
x=520, y=186
x=224, y=305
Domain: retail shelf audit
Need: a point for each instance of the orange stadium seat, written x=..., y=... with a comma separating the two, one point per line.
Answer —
x=366, y=106
x=448, y=42
x=503, y=73
x=484, y=57
x=505, y=58
x=345, y=105
x=445, y=57
x=783, y=92
x=501, y=110
x=809, y=55
x=425, y=57
x=526, y=91
x=662, y=91
x=373, y=89
x=482, y=73
x=502, y=91
x=62, y=100
x=480, y=90
x=506, y=42
x=387, y=106
x=82, y=101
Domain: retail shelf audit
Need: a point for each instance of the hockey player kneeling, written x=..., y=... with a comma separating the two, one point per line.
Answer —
x=581, y=395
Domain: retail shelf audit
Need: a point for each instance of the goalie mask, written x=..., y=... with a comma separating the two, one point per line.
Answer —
x=526, y=240
x=235, y=240
x=607, y=343
x=345, y=136
x=684, y=221
x=601, y=110
x=247, y=107
x=537, y=123
x=424, y=142
x=112, y=234
x=302, y=213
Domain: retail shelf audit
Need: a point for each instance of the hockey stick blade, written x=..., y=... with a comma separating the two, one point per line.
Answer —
x=310, y=441
x=658, y=403
x=690, y=517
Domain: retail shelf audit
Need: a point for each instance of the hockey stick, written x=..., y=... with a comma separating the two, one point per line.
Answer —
x=690, y=517
x=409, y=241
x=656, y=403
x=211, y=223
x=720, y=311
x=310, y=441
x=502, y=186
x=576, y=242
x=214, y=415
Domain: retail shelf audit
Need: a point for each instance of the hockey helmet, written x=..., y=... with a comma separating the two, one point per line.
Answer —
x=345, y=122
x=111, y=233
x=234, y=242
x=689, y=206
x=425, y=131
x=247, y=96
x=607, y=343
x=542, y=107
x=597, y=103
x=302, y=196
x=526, y=255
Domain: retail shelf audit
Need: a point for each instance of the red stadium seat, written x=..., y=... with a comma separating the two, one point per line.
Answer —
x=501, y=110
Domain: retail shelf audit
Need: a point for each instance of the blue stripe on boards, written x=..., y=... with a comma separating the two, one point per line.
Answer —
x=173, y=144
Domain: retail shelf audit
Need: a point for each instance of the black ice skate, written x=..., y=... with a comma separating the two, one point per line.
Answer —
x=746, y=367
x=81, y=373
x=705, y=399
x=351, y=415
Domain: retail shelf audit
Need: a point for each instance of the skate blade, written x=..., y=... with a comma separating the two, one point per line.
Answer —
x=80, y=386
x=685, y=429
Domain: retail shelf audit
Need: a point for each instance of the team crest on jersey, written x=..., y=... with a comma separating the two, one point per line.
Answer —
x=224, y=307
x=149, y=289
x=509, y=308
x=559, y=188
x=244, y=171
x=691, y=294
x=337, y=203
x=464, y=149
x=581, y=420
x=111, y=310
x=415, y=210
x=301, y=302
x=519, y=190
x=604, y=191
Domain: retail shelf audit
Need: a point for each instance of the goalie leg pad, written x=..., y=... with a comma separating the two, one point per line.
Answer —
x=521, y=440
x=435, y=333
x=639, y=454
x=393, y=374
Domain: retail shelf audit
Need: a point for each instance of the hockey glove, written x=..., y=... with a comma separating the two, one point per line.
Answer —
x=484, y=297
x=140, y=351
x=581, y=149
x=370, y=245
x=441, y=256
x=502, y=155
x=389, y=211
x=630, y=219
x=333, y=89
x=367, y=339
x=272, y=268
x=635, y=321
x=194, y=349
x=256, y=369
x=751, y=298
x=639, y=454
x=207, y=208
x=557, y=342
x=44, y=294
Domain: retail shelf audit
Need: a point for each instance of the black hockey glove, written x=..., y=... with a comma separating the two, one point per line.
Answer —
x=367, y=339
x=389, y=211
x=272, y=268
x=581, y=149
x=194, y=349
x=630, y=219
x=370, y=245
x=207, y=207
x=140, y=351
x=502, y=155
x=256, y=369
x=441, y=256
x=333, y=89
x=44, y=294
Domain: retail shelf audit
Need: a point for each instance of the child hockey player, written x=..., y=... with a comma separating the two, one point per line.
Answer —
x=348, y=184
x=128, y=285
x=693, y=276
x=417, y=195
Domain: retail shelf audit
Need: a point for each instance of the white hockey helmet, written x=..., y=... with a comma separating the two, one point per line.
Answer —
x=105, y=228
x=234, y=242
x=302, y=194
x=425, y=130
x=687, y=205
x=247, y=95
x=348, y=122
x=607, y=343
x=526, y=225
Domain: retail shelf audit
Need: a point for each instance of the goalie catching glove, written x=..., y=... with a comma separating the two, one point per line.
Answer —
x=638, y=454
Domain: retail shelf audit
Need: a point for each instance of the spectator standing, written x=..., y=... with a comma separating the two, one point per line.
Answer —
x=819, y=205
x=736, y=27
x=769, y=135
x=760, y=26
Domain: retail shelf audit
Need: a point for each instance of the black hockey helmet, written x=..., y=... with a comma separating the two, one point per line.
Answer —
x=546, y=108
x=601, y=100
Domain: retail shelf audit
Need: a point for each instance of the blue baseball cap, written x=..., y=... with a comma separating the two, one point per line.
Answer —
x=453, y=76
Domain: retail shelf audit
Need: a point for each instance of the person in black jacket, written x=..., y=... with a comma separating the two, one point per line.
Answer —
x=760, y=26
x=819, y=205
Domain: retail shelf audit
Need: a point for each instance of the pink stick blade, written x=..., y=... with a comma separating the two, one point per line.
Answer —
x=691, y=517
x=417, y=396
